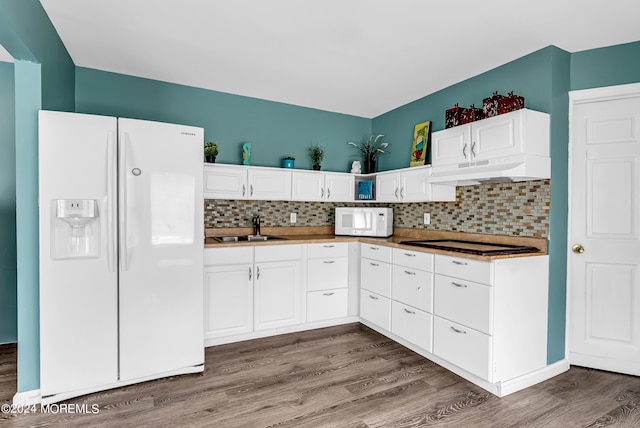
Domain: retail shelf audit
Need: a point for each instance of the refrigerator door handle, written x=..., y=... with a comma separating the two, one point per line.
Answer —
x=112, y=214
x=122, y=152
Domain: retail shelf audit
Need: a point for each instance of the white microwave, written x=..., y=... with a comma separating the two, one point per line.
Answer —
x=364, y=221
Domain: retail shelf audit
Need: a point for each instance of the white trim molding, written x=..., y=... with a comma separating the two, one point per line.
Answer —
x=27, y=398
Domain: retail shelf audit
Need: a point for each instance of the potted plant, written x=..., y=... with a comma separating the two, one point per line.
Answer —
x=210, y=151
x=370, y=149
x=287, y=162
x=317, y=154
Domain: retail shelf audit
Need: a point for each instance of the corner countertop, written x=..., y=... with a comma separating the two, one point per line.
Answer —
x=323, y=234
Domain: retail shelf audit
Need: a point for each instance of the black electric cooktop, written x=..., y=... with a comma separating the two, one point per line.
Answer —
x=470, y=247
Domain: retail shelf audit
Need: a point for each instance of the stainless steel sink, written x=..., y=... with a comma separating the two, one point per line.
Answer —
x=245, y=238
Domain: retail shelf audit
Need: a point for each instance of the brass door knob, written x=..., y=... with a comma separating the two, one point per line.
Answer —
x=578, y=249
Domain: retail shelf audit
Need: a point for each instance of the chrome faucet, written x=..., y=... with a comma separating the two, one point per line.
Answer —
x=256, y=225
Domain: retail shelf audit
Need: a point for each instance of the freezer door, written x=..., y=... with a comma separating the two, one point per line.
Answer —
x=161, y=248
x=78, y=259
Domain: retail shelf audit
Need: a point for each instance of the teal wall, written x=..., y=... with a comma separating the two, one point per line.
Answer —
x=44, y=78
x=274, y=129
x=543, y=79
x=615, y=65
x=8, y=291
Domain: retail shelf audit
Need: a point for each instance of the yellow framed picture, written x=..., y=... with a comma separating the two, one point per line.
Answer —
x=421, y=143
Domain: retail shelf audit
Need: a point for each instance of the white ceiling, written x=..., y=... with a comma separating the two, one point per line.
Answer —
x=4, y=55
x=359, y=57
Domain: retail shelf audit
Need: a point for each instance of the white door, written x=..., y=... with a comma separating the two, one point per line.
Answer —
x=340, y=187
x=228, y=300
x=307, y=186
x=161, y=248
x=277, y=294
x=604, y=235
x=78, y=295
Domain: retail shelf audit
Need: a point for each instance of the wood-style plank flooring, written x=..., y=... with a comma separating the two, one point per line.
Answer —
x=346, y=376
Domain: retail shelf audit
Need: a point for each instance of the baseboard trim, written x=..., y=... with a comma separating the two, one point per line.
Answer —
x=535, y=377
x=27, y=398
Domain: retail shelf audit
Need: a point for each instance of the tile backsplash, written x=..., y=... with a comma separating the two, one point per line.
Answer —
x=520, y=209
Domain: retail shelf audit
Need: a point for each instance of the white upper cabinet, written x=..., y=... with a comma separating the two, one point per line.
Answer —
x=522, y=132
x=411, y=185
x=239, y=182
x=320, y=186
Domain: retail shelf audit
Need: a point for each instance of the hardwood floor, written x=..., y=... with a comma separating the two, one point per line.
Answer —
x=346, y=376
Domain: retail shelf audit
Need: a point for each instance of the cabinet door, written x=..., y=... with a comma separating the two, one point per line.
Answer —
x=375, y=309
x=339, y=187
x=269, y=184
x=388, y=188
x=413, y=287
x=277, y=294
x=496, y=136
x=451, y=146
x=412, y=324
x=325, y=274
x=228, y=296
x=414, y=185
x=222, y=182
x=307, y=186
x=327, y=304
x=375, y=276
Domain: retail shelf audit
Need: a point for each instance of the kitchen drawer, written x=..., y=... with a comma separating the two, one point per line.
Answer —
x=325, y=274
x=413, y=259
x=413, y=287
x=375, y=309
x=412, y=324
x=327, y=304
x=228, y=256
x=376, y=252
x=321, y=251
x=375, y=276
x=460, y=267
x=277, y=253
x=465, y=347
x=464, y=302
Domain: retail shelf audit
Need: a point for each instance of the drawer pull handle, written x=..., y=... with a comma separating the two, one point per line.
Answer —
x=373, y=297
x=455, y=262
x=257, y=272
x=408, y=311
x=374, y=248
x=328, y=246
x=327, y=294
x=374, y=264
x=250, y=274
x=459, y=285
x=419, y=288
x=409, y=273
x=409, y=255
x=458, y=331
x=329, y=261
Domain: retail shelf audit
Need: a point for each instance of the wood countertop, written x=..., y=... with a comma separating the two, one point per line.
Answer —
x=323, y=234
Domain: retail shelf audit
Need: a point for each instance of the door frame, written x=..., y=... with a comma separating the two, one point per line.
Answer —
x=577, y=97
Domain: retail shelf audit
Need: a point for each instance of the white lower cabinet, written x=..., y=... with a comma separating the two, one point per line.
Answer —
x=327, y=304
x=375, y=309
x=327, y=281
x=412, y=324
x=278, y=284
x=465, y=347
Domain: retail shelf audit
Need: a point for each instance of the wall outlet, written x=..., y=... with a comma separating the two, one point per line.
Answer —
x=293, y=218
x=427, y=218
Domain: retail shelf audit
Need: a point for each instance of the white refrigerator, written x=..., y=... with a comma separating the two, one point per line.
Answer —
x=121, y=252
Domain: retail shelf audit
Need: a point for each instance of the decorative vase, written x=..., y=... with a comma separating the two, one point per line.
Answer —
x=210, y=159
x=369, y=165
x=287, y=163
x=316, y=167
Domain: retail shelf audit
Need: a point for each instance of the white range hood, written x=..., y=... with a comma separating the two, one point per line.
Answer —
x=519, y=167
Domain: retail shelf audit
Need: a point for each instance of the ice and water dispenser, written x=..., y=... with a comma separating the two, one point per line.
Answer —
x=75, y=229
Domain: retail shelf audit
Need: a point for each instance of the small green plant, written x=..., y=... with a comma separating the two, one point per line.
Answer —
x=317, y=154
x=210, y=148
x=371, y=147
x=289, y=158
